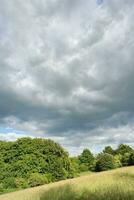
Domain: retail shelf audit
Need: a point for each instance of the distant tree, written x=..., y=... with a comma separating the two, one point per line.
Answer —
x=86, y=158
x=75, y=165
x=84, y=167
x=109, y=150
x=105, y=162
x=117, y=161
x=125, y=159
x=123, y=148
x=131, y=159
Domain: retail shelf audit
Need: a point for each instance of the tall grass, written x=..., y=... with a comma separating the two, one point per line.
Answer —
x=120, y=187
x=68, y=193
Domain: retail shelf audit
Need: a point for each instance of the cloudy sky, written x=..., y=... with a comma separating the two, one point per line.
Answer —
x=67, y=71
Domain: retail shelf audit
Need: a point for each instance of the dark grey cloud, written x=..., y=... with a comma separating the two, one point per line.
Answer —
x=66, y=71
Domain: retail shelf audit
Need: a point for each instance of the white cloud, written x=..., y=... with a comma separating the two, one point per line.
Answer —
x=11, y=136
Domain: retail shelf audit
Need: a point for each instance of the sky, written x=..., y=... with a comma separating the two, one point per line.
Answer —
x=67, y=72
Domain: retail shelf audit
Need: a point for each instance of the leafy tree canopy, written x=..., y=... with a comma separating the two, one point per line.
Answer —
x=33, y=159
x=109, y=150
x=123, y=148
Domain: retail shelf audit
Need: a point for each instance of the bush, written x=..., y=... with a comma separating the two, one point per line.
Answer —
x=48, y=177
x=87, y=159
x=26, y=156
x=9, y=183
x=75, y=166
x=21, y=183
x=1, y=187
x=93, y=166
x=104, y=162
x=117, y=161
x=131, y=159
x=125, y=159
x=83, y=167
x=37, y=179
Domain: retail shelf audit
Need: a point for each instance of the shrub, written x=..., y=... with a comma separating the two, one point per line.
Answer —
x=37, y=179
x=125, y=159
x=21, y=183
x=105, y=162
x=117, y=161
x=86, y=158
x=131, y=159
x=1, y=187
x=26, y=156
x=93, y=166
x=75, y=166
x=48, y=177
x=83, y=167
x=9, y=182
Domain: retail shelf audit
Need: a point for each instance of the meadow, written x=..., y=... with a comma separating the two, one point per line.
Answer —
x=110, y=185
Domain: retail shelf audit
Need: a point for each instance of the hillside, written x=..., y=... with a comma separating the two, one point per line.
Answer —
x=117, y=183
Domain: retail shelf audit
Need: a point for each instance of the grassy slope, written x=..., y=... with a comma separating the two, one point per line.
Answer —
x=120, y=179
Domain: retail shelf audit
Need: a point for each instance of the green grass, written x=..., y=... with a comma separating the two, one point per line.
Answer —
x=68, y=193
x=111, y=185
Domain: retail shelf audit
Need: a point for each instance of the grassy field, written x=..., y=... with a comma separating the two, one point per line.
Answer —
x=111, y=185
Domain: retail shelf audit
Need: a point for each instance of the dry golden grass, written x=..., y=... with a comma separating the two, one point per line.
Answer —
x=119, y=177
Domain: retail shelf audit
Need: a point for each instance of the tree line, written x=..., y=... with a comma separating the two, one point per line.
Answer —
x=29, y=162
x=108, y=159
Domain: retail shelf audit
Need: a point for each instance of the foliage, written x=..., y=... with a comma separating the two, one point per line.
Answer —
x=21, y=183
x=109, y=150
x=75, y=165
x=30, y=162
x=86, y=160
x=105, y=162
x=83, y=167
x=131, y=159
x=37, y=179
x=9, y=182
x=123, y=148
x=117, y=161
x=125, y=159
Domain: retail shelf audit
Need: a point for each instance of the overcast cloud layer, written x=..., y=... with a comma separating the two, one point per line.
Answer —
x=67, y=71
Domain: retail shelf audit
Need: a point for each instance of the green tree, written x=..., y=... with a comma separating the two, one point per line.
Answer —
x=26, y=156
x=86, y=158
x=123, y=148
x=118, y=161
x=109, y=150
x=104, y=162
x=131, y=159
x=75, y=165
x=125, y=159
